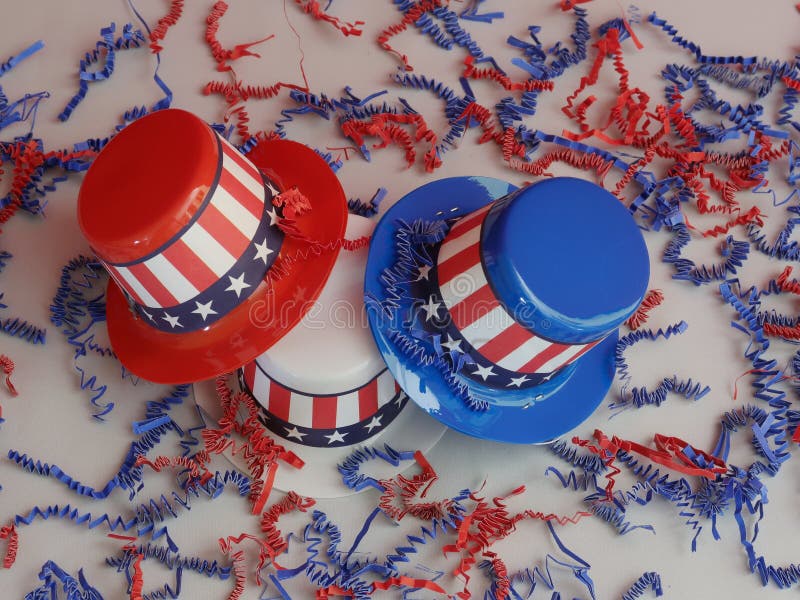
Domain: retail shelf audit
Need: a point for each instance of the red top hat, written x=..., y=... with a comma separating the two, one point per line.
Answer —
x=189, y=228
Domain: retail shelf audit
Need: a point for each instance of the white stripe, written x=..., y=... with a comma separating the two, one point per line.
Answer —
x=462, y=242
x=301, y=409
x=171, y=278
x=386, y=389
x=137, y=287
x=463, y=285
x=523, y=353
x=237, y=214
x=489, y=326
x=208, y=250
x=557, y=361
x=256, y=186
x=261, y=387
x=233, y=150
x=347, y=409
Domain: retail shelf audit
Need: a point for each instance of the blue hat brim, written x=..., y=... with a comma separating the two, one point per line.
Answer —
x=541, y=421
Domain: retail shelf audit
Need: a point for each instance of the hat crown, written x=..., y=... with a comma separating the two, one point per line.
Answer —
x=147, y=184
x=565, y=258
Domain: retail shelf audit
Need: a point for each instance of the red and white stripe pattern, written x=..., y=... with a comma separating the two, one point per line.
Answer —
x=478, y=314
x=188, y=265
x=320, y=412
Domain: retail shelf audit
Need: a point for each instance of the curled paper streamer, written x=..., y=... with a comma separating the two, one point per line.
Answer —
x=164, y=23
x=222, y=55
x=350, y=467
x=131, y=564
x=104, y=49
x=412, y=12
x=640, y=493
x=387, y=127
x=274, y=541
x=641, y=396
x=313, y=8
x=648, y=581
x=652, y=299
x=9, y=532
x=260, y=450
x=485, y=525
x=733, y=251
x=129, y=476
x=367, y=209
x=7, y=365
x=74, y=588
x=79, y=303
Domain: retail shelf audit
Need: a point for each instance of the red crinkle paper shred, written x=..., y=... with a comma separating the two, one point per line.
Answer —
x=487, y=524
x=669, y=452
x=401, y=495
x=631, y=122
x=9, y=532
x=386, y=126
x=27, y=157
x=223, y=55
x=481, y=528
x=164, y=23
x=472, y=72
x=651, y=299
x=137, y=579
x=313, y=8
x=7, y=365
x=260, y=450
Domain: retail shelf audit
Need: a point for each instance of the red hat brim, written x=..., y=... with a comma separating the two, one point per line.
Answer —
x=270, y=312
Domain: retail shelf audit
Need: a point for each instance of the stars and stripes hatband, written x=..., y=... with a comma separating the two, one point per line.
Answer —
x=329, y=420
x=481, y=320
x=216, y=260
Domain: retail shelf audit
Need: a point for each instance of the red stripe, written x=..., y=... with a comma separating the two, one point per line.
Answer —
x=250, y=375
x=467, y=223
x=323, y=415
x=240, y=160
x=506, y=342
x=475, y=306
x=368, y=400
x=240, y=192
x=222, y=230
x=123, y=284
x=153, y=286
x=548, y=353
x=189, y=264
x=279, y=400
x=458, y=263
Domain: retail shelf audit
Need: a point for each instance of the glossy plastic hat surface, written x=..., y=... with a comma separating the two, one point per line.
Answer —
x=497, y=309
x=189, y=229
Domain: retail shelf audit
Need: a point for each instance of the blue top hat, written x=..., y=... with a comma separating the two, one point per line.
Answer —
x=497, y=308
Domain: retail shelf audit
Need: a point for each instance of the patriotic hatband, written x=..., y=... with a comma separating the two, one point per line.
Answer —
x=216, y=260
x=329, y=420
x=497, y=308
x=502, y=350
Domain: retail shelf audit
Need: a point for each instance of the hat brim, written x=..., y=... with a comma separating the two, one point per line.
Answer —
x=541, y=421
x=270, y=312
x=319, y=477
